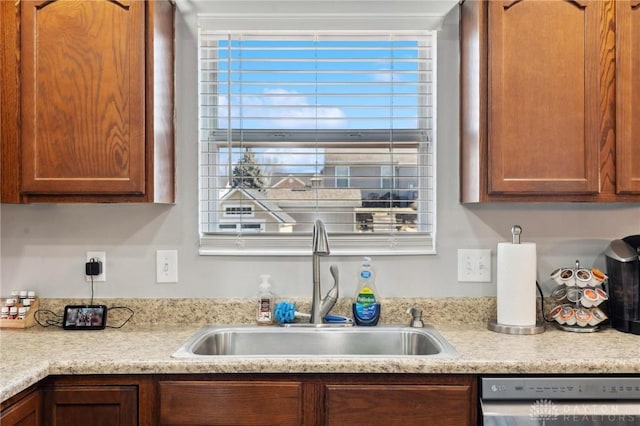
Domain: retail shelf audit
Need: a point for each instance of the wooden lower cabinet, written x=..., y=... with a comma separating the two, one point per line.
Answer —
x=230, y=402
x=247, y=400
x=23, y=410
x=91, y=405
x=318, y=399
x=398, y=404
x=97, y=400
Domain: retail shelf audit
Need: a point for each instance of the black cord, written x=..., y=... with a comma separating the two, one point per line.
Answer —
x=91, y=289
x=544, y=317
x=125, y=321
x=47, y=322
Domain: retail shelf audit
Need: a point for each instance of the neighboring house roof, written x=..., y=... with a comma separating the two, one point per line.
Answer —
x=290, y=181
x=261, y=200
x=272, y=200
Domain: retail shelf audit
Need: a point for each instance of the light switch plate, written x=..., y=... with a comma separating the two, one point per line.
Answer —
x=167, y=266
x=474, y=265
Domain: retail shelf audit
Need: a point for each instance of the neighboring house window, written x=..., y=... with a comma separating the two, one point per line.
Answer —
x=342, y=176
x=241, y=227
x=279, y=112
x=386, y=177
x=235, y=211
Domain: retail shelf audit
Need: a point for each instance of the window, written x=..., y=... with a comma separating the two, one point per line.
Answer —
x=240, y=227
x=342, y=176
x=386, y=177
x=238, y=210
x=299, y=126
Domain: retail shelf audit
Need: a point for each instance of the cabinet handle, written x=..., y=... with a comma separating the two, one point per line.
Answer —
x=123, y=4
x=509, y=4
x=581, y=4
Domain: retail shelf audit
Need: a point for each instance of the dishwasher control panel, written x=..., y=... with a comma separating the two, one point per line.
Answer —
x=515, y=388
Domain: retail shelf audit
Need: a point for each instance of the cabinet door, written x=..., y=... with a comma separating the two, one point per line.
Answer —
x=628, y=94
x=544, y=96
x=386, y=405
x=91, y=405
x=83, y=97
x=25, y=412
x=9, y=101
x=230, y=403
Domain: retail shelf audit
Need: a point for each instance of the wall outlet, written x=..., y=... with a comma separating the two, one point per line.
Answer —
x=167, y=266
x=102, y=257
x=474, y=265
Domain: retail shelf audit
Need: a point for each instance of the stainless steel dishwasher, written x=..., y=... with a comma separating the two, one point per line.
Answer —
x=554, y=401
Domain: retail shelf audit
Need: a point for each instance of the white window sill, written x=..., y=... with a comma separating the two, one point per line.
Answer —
x=346, y=245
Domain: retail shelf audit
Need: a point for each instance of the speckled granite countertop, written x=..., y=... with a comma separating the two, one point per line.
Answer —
x=145, y=347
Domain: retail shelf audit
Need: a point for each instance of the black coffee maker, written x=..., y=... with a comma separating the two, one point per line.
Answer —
x=623, y=269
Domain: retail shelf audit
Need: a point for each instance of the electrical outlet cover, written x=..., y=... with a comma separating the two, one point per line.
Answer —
x=102, y=257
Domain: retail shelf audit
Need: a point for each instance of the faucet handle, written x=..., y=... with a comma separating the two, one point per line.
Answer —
x=416, y=318
x=329, y=301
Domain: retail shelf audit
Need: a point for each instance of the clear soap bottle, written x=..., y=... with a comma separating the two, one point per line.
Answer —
x=264, y=314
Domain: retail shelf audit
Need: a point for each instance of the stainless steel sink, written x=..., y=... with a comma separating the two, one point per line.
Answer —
x=254, y=341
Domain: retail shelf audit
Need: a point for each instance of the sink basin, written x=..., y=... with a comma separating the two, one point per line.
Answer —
x=254, y=341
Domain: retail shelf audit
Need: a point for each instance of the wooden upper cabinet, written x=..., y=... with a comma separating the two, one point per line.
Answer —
x=628, y=96
x=544, y=96
x=83, y=97
x=538, y=101
x=96, y=101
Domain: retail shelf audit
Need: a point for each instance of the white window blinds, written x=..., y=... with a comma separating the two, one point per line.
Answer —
x=299, y=126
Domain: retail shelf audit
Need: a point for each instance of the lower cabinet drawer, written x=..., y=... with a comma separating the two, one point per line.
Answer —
x=230, y=403
x=401, y=405
x=75, y=404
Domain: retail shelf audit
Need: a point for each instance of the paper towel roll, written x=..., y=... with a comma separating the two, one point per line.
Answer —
x=516, y=281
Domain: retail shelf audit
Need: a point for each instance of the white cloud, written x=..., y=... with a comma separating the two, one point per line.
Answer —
x=284, y=109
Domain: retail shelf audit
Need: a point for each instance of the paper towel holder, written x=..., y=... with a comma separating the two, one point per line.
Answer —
x=515, y=329
x=493, y=325
x=516, y=230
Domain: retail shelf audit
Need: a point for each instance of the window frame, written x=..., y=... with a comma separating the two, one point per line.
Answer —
x=393, y=243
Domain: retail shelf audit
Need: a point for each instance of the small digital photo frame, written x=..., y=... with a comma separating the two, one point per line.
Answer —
x=85, y=317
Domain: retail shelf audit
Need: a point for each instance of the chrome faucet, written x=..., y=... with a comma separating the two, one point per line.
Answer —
x=320, y=247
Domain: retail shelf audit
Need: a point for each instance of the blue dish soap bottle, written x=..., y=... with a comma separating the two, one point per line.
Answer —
x=366, y=306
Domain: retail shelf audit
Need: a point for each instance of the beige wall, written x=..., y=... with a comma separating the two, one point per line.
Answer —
x=43, y=246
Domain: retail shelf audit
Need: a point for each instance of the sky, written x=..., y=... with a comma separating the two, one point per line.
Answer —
x=306, y=84
x=283, y=84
